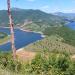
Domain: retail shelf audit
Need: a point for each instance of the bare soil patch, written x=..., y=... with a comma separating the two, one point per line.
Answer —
x=25, y=55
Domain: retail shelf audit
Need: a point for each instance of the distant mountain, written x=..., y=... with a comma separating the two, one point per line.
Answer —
x=39, y=18
x=65, y=15
x=16, y=9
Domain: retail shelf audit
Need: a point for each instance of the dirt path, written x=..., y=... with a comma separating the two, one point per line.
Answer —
x=25, y=55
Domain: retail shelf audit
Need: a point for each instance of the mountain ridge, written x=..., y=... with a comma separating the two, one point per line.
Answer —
x=25, y=14
x=65, y=15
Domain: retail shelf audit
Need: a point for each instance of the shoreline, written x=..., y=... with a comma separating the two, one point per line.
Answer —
x=5, y=42
x=4, y=27
x=25, y=30
x=42, y=35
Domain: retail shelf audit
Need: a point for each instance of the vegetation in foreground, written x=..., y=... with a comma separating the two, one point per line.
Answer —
x=53, y=56
x=45, y=63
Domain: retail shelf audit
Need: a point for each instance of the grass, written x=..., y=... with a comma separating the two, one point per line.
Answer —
x=4, y=40
x=5, y=72
x=65, y=32
x=50, y=62
x=43, y=64
x=52, y=43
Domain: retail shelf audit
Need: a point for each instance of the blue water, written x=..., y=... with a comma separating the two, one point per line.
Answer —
x=22, y=38
x=71, y=25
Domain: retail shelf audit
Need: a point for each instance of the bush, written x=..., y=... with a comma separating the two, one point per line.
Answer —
x=7, y=62
x=54, y=64
x=42, y=64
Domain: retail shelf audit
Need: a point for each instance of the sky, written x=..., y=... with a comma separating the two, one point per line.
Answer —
x=49, y=6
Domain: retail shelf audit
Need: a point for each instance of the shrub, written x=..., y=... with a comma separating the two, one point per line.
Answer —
x=58, y=63
x=43, y=64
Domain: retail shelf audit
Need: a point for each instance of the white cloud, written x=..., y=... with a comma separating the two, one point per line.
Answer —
x=45, y=8
x=69, y=11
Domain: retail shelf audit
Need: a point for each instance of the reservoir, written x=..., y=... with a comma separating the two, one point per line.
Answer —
x=71, y=25
x=22, y=38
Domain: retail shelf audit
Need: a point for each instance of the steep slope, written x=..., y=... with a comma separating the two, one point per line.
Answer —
x=52, y=43
x=65, y=32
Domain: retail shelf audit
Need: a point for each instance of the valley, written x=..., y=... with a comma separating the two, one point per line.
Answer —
x=45, y=44
x=28, y=37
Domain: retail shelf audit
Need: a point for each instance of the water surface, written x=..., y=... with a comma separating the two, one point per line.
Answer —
x=22, y=38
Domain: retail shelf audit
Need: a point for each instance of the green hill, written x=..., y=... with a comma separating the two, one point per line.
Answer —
x=53, y=43
x=39, y=18
x=65, y=32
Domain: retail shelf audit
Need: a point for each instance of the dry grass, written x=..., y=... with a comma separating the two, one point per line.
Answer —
x=25, y=55
x=50, y=43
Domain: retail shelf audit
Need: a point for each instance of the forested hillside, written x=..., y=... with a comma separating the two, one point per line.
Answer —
x=38, y=17
x=65, y=32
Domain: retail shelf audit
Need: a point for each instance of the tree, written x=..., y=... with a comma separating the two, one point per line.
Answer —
x=11, y=29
